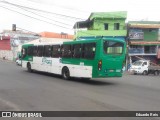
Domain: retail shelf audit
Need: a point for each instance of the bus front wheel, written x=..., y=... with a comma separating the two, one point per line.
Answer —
x=65, y=73
x=29, y=67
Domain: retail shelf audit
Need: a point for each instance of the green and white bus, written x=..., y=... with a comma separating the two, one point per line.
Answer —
x=90, y=58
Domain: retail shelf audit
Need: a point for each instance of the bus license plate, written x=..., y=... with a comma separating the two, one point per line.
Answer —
x=111, y=70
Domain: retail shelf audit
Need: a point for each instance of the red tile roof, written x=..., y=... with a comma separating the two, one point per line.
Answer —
x=56, y=35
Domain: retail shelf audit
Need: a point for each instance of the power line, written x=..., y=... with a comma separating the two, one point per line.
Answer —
x=27, y=30
x=41, y=10
x=42, y=20
x=64, y=7
x=43, y=16
x=47, y=18
x=35, y=18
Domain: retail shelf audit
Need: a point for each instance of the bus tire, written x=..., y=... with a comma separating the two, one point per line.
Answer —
x=156, y=72
x=29, y=68
x=65, y=73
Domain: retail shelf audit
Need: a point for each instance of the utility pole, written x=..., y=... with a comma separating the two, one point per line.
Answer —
x=13, y=27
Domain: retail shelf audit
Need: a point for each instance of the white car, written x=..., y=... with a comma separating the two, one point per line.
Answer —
x=140, y=67
x=18, y=62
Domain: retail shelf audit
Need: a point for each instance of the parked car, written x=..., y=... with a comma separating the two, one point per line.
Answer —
x=145, y=67
x=140, y=67
x=19, y=62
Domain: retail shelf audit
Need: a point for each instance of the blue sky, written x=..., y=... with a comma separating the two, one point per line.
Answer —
x=70, y=10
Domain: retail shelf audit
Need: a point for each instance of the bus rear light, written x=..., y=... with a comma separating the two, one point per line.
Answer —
x=99, y=64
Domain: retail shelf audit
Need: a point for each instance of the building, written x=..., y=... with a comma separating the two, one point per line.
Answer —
x=102, y=24
x=144, y=41
x=5, y=47
x=61, y=35
x=10, y=40
x=106, y=24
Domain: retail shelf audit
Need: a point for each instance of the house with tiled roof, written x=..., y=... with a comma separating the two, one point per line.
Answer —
x=56, y=35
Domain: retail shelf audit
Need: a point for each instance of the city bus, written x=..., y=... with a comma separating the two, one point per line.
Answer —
x=88, y=58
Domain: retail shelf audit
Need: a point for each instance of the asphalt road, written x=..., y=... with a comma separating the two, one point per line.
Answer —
x=24, y=91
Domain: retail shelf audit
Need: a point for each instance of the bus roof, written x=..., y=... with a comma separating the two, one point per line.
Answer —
x=45, y=41
x=83, y=40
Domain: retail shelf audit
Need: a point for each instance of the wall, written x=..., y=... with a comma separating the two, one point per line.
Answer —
x=97, y=28
x=99, y=24
x=7, y=54
x=101, y=33
x=56, y=35
x=5, y=45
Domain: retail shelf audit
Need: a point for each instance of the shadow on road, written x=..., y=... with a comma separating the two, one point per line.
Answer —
x=92, y=81
x=80, y=80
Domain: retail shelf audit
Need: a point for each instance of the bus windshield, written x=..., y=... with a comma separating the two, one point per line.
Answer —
x=113, y=47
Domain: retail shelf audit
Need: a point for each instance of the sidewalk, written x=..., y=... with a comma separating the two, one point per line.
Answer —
x=1, y=59
x=127, y=73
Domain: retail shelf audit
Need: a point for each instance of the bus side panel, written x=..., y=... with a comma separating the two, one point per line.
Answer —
x=79, y=70
x=84, y=67
x=24, y=64
x=56, y=67
x=37, y=64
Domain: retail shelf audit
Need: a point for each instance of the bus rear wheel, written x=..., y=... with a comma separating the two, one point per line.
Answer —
x=86, y=78
x=29, y=67
x=65, y=73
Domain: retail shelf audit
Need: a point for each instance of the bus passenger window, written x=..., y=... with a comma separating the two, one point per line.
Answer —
x=56, y=51
x=66, y=51
x=40, y=51
x=47, y=51
x=89, y=50
x=77, y=51
x=35, y=51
